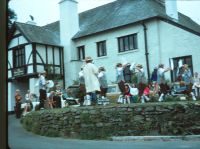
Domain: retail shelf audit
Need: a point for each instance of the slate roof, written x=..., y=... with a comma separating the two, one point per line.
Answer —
x=45, y=35
x=109, y=16
x=124, y=12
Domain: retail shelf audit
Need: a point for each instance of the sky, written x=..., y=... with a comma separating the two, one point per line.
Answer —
x=47, y=11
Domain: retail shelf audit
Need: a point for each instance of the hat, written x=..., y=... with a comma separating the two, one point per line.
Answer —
x=139, y=65
x=118, y=64
x=185, y=65
x=161, y=65
x=43, y=72
x=128, y=64
x=101, y=68
x=88, y=58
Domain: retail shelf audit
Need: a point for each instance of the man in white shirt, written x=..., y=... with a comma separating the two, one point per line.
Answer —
x=90, y=72
x=42, y=88
x=161, y=80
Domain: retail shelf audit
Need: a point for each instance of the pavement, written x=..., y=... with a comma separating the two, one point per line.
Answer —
x=19, y=138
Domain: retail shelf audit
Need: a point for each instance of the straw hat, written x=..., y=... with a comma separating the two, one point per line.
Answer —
x=101, y=68
x=43, y=72
x=88, y=58
x=139, y=65
x=160, y=65
x=118, y=64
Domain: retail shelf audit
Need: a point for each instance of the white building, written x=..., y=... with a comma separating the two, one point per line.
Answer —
x=148, y=32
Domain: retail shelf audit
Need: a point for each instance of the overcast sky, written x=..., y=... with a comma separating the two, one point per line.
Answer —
x=47, y=11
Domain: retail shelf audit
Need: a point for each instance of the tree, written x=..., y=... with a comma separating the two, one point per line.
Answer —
x=11, y=16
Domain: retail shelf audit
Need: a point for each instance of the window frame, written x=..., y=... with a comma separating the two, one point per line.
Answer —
x=81, y=52
x=185, y=60
x=19, y=57
x=101, y=48
x=124, y=43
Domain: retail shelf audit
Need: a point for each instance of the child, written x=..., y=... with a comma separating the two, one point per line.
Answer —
x=131, y=93
x=103, y=83
x=145, y=94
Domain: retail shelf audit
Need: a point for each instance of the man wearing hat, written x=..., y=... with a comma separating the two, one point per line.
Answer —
x=141, y=80
x=161, y=81
x=42, y=88
x=187, y=78
x=90, y=72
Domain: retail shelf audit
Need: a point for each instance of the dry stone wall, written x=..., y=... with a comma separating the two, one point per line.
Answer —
x=100, y=122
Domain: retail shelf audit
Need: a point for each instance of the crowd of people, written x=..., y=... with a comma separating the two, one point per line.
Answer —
x=131, y=80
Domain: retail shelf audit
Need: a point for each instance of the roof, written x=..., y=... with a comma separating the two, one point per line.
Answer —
x=45, y=35
x=124, y=12
x=109, y=16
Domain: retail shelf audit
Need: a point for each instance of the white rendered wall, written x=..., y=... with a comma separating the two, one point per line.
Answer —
x=34, y=86
x=171, y=8
x=113, y=57
x=12, y=86
x=42, y=51
x=17, y=41
x=177, y=42
x=10, y=59
x=164, y=40
x=28, y=52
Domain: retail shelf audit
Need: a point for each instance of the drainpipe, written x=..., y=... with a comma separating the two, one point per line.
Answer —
x=146, y=50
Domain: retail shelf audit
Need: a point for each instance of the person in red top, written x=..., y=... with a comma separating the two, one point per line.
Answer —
x=18, y=99
x=127, y=94
x=145, y=95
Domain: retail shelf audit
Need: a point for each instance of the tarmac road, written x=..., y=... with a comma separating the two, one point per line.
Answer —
x=19, y=138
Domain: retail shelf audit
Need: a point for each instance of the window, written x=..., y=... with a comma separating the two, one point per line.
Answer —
x=177, y=63
x=18, y=57
x=101, y=48
x=127, y=43
x=81, y=53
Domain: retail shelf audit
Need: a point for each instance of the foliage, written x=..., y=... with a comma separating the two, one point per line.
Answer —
x=11, y=16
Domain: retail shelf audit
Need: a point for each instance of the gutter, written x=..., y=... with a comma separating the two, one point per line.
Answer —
x=146, y=50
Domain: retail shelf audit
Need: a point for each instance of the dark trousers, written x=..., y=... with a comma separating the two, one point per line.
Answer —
x=43, y=97
x=121, y=87
x=57, y=102
x=164, y=88
x=18, y=109
x=103, y=91
x=81, y=93
x=141, y=87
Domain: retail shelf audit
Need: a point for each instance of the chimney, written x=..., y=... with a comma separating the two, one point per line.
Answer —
x=171, y=9
x=69, y=21
x=69, y=26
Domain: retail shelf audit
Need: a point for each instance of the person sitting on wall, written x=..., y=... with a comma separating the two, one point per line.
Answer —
x=18, y=100
x=29, y=105
x=146, y=92
x=196, y=84
x=187, y=78
x=131, y=94
x=57, y=97
x=50, y=99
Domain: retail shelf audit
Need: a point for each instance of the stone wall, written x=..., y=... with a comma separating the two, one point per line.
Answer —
x=169, y=118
